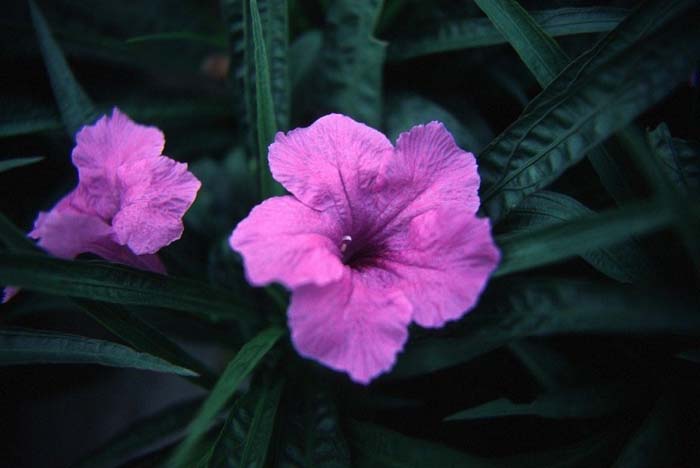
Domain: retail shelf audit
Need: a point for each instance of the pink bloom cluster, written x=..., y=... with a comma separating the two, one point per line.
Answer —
x=129, y=201
x=373, y=237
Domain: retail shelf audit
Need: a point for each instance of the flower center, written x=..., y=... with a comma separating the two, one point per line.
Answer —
x=358, y=253
x=345, y=242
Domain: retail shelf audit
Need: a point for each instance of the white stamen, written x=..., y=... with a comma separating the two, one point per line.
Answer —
x=344, y=244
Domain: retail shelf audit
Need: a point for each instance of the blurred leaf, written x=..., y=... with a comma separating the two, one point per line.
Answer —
x=25, y=117
x=14, y=239
x=680, y=159
x=692, y=355
x=303, y=53
x=595, y=96
x=178, y=36
x=687, y=217
x=275, y=28
x=550, y=243
x=535, y=47
x=237, y=370
x=623, y=261
x=227, y=193
x=236, y=17
x=42, y=347
x=120, y=285
x=406, y=110
x=8, y=164
x=311, y=436
x=519, y=308
x=245, y=438
x=590, y=402
x=457, y=34
x=656, y=441
x=551, y=368
x=75, y=106
x=265, y=106
x=377, y=447
x=141, y=436
x=352, y=61
x=144, y=337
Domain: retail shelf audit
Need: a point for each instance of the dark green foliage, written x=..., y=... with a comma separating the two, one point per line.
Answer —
x=40, y=347
x=582, y=350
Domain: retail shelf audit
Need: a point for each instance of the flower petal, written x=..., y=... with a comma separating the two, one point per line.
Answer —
x=8, y=293
x=443, y=261
x=433, y=170
x=357, y=324
x=66, y=233
x=101, y=148
x=156, y=194
x=331, y=164
x=284, y=240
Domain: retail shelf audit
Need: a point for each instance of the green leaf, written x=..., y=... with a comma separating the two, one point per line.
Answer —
x=7, y=164
x=237, y=370
x=623, y=261
x=590, y=402
x=265, y=106
x=75, y=106
x=680, y=159
x=552, y=369
x=236, y=17
x=13, y=238
x=518, y=308
x=656, y=441
x=457, y=34
x=120, y=285
x=311, y=434
x=144, y=337
x=141, y=436
x=275, y=27
x=40, y=347
x=545, y=59
x=555, y=242
x=593, y=98
x=377, y=447
x=352, y=61
x=406, y=110
x=178, y=36
x=303, y=52
x=245, y=438
x=540, y=53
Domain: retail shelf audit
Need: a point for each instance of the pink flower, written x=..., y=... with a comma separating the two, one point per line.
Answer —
x=372, y=239
x=129, y=201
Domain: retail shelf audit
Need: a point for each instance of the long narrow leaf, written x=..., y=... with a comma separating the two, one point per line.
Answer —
x=310, y=431
x=625, y=262
x=570, y=118
x=352, y=61
x=592, y=402
x=237, y=370
x=265, y=106
x=35, y=347
x=521, y=308
x=75, y=106
x=120, y=285
x=14, y=239
x=541, y=246
x=245, y=438
x=540, y=53
x=7, y=164
x=458, y=34
x=146, y=338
